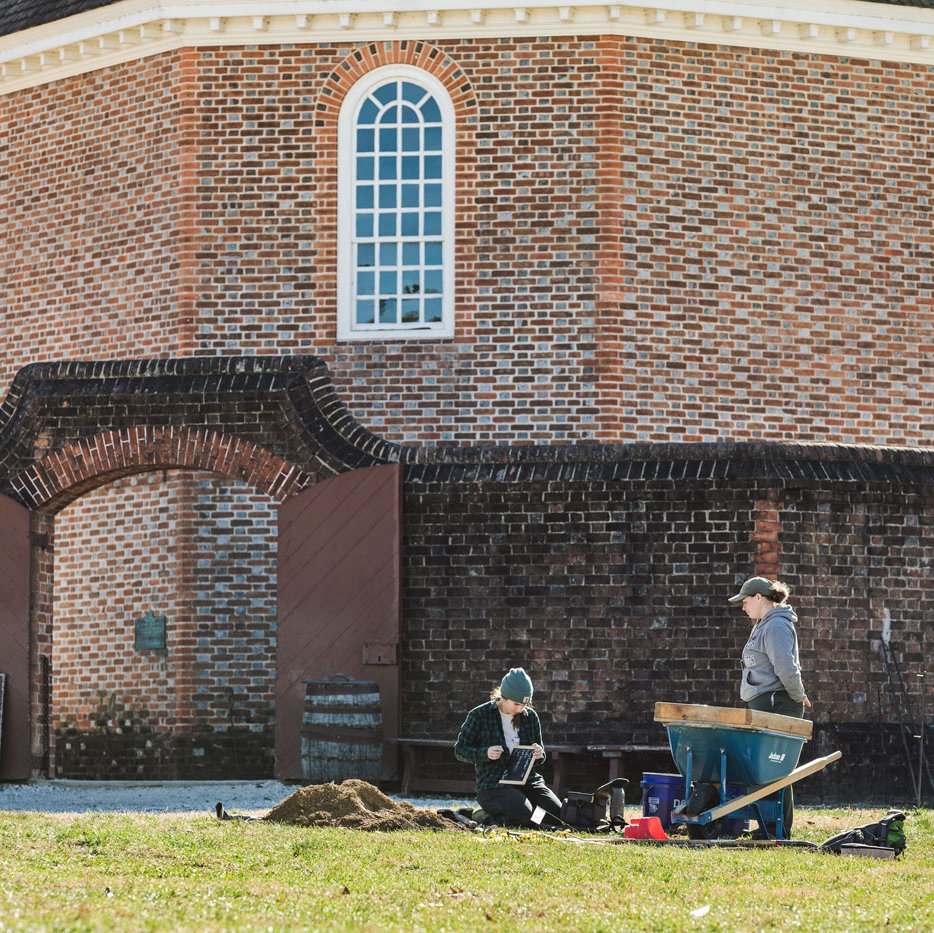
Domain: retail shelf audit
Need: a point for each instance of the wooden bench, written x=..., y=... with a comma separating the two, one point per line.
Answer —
x=559, y=755
x=413, y=780
x=616, y=754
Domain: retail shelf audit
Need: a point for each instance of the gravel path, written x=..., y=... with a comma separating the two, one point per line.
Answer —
x=253, y=798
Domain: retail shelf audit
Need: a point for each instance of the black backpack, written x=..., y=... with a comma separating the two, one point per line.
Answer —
x=889, y=832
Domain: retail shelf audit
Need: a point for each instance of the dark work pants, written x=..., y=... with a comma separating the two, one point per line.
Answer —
x=513, y=804
x=779, y=702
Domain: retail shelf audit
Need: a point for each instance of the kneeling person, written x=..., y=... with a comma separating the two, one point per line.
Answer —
x=489, y=734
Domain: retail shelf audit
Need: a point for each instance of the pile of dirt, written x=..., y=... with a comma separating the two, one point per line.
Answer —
x=353, y=804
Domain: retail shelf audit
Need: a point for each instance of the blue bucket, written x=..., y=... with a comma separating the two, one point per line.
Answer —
x=661, y=793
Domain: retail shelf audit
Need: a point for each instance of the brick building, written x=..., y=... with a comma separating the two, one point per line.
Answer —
x=637, y=298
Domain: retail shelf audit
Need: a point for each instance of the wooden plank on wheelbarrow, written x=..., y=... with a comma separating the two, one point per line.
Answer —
x=735, y=718
x=818, y=764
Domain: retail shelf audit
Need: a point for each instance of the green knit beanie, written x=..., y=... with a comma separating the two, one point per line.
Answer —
x=516, y=686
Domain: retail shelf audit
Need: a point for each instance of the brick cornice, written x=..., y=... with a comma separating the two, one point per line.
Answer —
x=680, y=463
x=134, y=29
x=279, y=424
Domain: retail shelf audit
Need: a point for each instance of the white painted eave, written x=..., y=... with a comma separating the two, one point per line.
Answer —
x=134, y=29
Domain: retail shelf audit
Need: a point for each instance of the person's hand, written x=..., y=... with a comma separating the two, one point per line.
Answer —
x=538, y=753
x=494, y=752
x=807, y=703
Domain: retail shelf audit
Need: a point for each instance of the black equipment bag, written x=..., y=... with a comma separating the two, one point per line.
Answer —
x=602, y=809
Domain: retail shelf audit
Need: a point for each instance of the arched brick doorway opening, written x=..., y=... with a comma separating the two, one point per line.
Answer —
x=158, y=629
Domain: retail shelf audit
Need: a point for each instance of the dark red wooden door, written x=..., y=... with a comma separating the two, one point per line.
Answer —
x=339, y=582
x=15, y=762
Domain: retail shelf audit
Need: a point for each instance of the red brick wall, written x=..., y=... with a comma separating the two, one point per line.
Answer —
x=110, y=571
x=613, y=596
x=89, y=172
x=772, y=246
x=656, y=240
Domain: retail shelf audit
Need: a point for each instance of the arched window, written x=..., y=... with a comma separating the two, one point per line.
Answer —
x=396, y=207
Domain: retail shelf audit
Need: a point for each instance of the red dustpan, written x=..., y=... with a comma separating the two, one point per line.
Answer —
x=645, y=827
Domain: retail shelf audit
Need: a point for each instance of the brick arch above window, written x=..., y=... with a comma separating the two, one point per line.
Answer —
x=422, y=55
x=323, y=250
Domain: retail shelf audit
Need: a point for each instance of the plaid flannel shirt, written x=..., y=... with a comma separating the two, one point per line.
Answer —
x=482, y=728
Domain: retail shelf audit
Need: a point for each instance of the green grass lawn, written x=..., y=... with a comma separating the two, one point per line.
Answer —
x=136, y=872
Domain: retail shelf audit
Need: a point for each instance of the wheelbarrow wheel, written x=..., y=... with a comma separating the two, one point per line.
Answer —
x=705, y=797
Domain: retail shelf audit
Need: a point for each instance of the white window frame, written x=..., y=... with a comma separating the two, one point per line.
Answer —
x=347, y=330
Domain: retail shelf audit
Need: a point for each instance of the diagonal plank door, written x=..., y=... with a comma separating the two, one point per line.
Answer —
x=339, y=598
x=15, y=759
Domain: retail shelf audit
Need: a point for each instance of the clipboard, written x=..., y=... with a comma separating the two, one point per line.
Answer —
x=519, y=766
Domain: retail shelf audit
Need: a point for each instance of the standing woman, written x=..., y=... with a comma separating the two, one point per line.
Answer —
x=771, y=669
x=489, y=733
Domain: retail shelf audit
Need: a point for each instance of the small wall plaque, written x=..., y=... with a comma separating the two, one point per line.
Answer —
x=380, y=653
x=149, y=632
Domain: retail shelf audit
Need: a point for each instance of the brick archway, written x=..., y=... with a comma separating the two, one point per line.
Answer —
x=272, y=424
x=275, y=422
x=60, y=477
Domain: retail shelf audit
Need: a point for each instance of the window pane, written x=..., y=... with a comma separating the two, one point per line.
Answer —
x=365, y=311
x=433, y=139
x=366, y=254
x=387, y=311
x=433, y=281
x=398, y=279
x=387, y=92
x=368, y=113
x=412, y=92
x=431, y=113
x=433, y=254
x=410, y=281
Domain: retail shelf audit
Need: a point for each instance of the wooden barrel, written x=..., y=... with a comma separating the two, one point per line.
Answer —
x=342, y=730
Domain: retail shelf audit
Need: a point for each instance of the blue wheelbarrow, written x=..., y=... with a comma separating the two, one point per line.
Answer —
x=732, y=760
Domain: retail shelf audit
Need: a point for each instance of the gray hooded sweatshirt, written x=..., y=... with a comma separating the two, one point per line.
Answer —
x=770, y=658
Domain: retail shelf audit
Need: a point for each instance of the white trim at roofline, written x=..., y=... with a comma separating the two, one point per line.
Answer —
x=134, y=29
